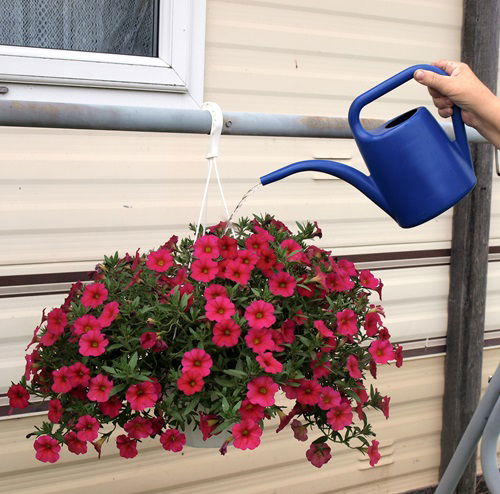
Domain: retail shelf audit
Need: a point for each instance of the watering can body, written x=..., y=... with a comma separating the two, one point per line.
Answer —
x=416, y=171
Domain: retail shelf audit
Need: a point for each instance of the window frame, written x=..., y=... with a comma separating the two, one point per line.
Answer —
x=34, y=73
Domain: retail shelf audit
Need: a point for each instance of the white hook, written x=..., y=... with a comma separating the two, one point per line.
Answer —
x=216, y=129
x=213, y=153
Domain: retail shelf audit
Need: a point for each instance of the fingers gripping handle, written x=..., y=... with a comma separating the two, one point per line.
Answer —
x=392, y=83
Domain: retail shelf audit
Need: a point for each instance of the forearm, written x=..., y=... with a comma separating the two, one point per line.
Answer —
x=487, y=121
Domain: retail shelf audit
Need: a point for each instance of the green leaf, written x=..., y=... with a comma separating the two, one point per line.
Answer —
x=222, y=427
x=225, y=404
x=236, y=373
x=224, y=382
x=133, y=361
x=110, y=370
x=116, y=389
x=321, y=440
x=352, y=394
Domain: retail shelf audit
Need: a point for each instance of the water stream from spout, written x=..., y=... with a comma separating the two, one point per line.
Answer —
x=242, y=200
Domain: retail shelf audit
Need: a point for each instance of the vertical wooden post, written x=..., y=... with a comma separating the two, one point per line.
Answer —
x=469, y=253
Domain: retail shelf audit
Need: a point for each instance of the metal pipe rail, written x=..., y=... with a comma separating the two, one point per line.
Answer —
x=16, y=113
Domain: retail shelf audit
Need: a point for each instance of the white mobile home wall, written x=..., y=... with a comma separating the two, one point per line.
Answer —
x=69, y=197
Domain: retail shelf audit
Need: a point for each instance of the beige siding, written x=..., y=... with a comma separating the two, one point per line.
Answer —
x=69, y=197
x=409, y=443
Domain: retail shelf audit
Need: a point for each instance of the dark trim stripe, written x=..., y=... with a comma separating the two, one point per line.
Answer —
x=43, y=278
x=416, y=255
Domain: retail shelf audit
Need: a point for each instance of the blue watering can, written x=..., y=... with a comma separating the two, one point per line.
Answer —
x=416, y=171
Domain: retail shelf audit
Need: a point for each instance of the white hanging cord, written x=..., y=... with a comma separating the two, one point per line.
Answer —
x=213, y=152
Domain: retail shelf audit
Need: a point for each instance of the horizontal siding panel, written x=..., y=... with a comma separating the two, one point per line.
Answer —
x=314, y=59
x=445, y=13
x=79, y=207
x=278, y=466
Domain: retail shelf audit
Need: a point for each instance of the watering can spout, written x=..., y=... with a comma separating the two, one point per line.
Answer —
x=362, y=182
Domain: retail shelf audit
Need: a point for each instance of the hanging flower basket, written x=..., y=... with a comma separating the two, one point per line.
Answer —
x=201, y=338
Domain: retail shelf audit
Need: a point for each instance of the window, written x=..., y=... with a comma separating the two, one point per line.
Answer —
x=73, y=50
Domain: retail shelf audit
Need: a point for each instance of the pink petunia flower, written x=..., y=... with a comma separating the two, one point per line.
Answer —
x=329, y=398
x=319, y=454
x=100, y=388
x=246, y=434
x=308, y=393
x=79, y=375
x=282, y=284
x=248, y=257
x=381, y=351
x=56, y=321
x=347, y=322
x=260, y=314
x=112, y=407
x=109, y=314
x=208, y=423
x=384, y=405
x=138, y=428
x=228, y=247
x=269, y=363
x=173, y=440
x=339, y=416
x=348, y=267
x=142, y=395
x=148, y=339
x=226, y=333
x=92, y=344
x=373, y=453
x=127, y=446
x=321, y=368
x=47, y=449
x=190, y=382
x=338, y=281
x=197, y=360
x=215, y=290
x=157, y=425
x=207, y=246
x=267, y=259
x=257, y=242
x=323, y=330
x=299, y=430
x=288, y=331
x=292, y=246
x=86, y=323
x=251, y=411
x=74, y=444
x=94, y=295
x=260, y=340
x=48, y=339
x=204, y=270
x=160, y=260
x=398, y=355
x=55, y=411
x=372, y=323
x=18, y=396
x=307, y=290
x=62, y=380
x=352, y=366
x=367, y=279
x=87, y=428
x=219, y=308
x=238, y=271
x=261, y=391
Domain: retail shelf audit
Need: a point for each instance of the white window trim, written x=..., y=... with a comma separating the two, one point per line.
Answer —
x=74, y=76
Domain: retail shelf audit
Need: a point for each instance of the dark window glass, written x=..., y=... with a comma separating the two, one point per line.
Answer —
x=125, y=27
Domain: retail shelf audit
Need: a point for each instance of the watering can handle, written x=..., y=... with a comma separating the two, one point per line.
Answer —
x=392, y=83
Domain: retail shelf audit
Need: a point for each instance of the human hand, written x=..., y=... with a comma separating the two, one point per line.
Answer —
x=480, y=107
